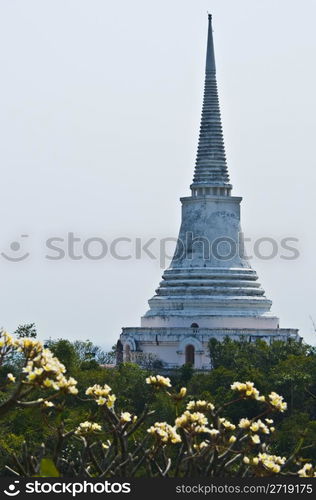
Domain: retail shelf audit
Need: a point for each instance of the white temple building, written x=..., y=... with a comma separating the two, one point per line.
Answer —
x=209, y=290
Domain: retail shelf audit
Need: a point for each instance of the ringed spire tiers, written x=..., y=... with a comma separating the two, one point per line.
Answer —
x=211, y=167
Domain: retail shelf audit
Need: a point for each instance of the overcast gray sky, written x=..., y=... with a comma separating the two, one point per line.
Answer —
x=100, y=105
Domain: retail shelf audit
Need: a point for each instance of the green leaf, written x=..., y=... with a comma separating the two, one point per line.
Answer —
x=48, y=468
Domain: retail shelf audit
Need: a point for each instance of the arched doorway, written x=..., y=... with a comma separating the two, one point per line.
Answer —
x=119, y=352
x=127, y=353
x=189, y=354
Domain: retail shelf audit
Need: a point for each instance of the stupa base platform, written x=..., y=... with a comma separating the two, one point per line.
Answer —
x=177, y=346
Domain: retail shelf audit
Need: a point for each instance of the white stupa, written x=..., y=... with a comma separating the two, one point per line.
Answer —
x=209, y=290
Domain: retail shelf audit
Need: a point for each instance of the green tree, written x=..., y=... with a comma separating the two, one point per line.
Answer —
x=27, y=330
x=86, y=350
x=65, y=351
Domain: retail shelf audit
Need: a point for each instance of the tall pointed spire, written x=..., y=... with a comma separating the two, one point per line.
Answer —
x=211, y=168
x=209, y=291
